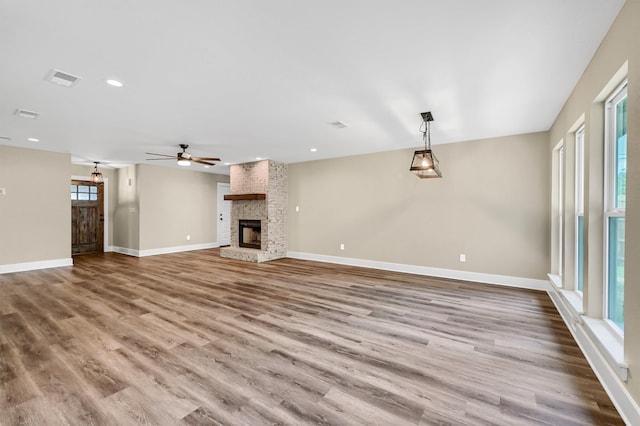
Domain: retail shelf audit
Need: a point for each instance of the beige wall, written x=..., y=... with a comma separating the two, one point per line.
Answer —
x=492, y=205
x=175, y=203
x=108, y=175
x=35, y=213
x=617, y=57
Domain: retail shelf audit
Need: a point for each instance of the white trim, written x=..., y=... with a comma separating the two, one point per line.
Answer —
x=105, y=208
x=602, y=350
x=124, y=250
x=504, y=280
x=32, y=266
x=164, y=250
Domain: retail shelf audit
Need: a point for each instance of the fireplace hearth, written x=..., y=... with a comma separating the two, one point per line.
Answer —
x=250, y=233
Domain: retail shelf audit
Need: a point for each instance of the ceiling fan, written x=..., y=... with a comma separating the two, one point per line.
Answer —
x=184, y=158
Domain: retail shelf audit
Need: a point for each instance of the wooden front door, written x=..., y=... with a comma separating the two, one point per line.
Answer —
x=87, y=217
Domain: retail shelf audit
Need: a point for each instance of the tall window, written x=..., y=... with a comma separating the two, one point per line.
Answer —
x=560, y=208
x=615, y=202
x=579, y=255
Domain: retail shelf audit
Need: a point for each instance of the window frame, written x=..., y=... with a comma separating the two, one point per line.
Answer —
x=610, y=210
x=579, y=205
x=560, y=200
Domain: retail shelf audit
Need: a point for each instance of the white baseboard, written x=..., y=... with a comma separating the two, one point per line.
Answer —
x=31, y=266
x=164, y=250
x=124, y=250
x=610, y=374
x=519, y=282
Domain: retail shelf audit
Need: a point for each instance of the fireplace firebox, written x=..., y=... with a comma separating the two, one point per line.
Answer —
x=250, y=233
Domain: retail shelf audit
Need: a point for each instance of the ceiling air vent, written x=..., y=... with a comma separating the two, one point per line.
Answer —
x=5, y=138
x=27, y=114
x=62, y=78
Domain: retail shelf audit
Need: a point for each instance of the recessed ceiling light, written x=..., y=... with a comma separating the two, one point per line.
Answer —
x=314, y=150
x=114, y=83
x=33, y=139
x=227, y=164
x=258, y=158
x=206, y=166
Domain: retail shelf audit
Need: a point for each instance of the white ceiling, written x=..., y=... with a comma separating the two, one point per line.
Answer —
x=241, y=79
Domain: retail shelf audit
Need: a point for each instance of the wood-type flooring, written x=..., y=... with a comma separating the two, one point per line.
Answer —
x=195, y=339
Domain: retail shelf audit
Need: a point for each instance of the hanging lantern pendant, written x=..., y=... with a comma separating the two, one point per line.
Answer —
x=96, y=176
x=425, y=164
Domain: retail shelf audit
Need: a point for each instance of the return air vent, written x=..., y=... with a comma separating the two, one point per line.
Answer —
x=62, y=78
x=32, y=115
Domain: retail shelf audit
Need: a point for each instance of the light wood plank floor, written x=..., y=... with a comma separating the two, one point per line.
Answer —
x=191, y=338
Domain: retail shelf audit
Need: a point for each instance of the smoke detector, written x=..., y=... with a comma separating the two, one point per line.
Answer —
x=32, y=115
x=62, y=78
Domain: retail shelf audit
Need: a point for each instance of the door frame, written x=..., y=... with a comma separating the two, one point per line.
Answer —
x=105, y=204
x=218, y=210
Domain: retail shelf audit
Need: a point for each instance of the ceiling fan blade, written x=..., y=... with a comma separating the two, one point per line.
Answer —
x=160, y=155
x=205, y=159
x=155, y=159
x=199, y=161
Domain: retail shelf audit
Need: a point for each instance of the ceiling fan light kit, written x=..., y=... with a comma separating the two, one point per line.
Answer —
x=184, y=158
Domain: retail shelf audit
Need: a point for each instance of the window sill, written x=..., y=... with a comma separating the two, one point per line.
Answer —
x=572, y=298
x=556, y=280
x=610, y=343
x=591, y=333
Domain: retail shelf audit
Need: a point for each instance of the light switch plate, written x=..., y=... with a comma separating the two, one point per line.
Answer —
x=3, y=191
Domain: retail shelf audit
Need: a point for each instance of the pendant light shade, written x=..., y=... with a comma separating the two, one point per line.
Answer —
x=96, y=176
x=425, y=165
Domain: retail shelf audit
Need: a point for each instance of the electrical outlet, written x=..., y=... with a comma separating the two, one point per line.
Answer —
x=463, y=258
x=341, y=246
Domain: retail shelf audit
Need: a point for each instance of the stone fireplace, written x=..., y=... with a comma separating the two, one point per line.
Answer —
x=259, y=198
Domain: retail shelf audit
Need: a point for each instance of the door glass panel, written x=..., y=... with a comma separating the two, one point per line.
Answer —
x=83, y=196
x=74, y=195
x=93, y=189
x=83, y=188
x=74, y=188
x=93, y=197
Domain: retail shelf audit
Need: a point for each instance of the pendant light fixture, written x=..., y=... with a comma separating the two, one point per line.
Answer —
x=96, y=176
x=425, y=164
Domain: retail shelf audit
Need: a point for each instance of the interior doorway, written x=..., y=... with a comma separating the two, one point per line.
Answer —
x=224, y=215
x=87, y=217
